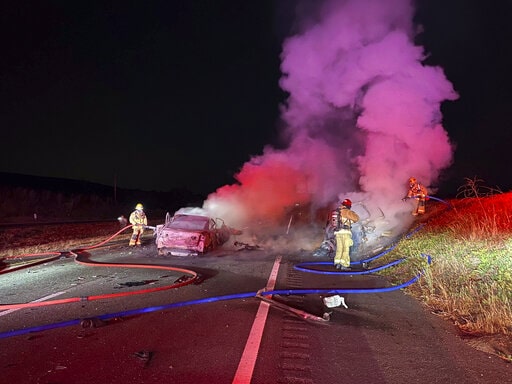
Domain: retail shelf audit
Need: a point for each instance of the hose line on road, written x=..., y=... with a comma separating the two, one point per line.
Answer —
x=304, y=268
x=288, y=292
x=193, y=276
x=109, y=316
x=205, y=300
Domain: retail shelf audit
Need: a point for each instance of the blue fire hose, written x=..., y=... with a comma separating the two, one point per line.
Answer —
x=300, y=267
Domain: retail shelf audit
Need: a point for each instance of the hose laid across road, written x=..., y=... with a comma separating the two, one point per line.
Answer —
x=76, y=254
x=108, y=316
x=204, y=300
x=245, y=295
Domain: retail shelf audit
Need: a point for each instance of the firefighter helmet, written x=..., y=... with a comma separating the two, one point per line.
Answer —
x=139, y=207
x=347, y=203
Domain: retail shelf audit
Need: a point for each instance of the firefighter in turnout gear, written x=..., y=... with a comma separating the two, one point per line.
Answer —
x=138, y=220
x=343, y=218
x=419, y=192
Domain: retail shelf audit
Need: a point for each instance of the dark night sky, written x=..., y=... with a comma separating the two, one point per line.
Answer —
x=181, y=93
x=470, y=40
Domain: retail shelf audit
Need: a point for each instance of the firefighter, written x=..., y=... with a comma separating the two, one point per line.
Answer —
x=138, y=220
x=343, y=220
x=419, y=192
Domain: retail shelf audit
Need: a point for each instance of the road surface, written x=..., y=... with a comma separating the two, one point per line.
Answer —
x=380, y=338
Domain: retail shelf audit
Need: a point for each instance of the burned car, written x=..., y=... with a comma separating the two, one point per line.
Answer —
x=190, y=234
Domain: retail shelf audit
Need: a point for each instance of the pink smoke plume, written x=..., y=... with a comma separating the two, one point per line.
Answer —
x=362, y=116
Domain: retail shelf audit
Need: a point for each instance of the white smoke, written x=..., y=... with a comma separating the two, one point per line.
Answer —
x=363, y=115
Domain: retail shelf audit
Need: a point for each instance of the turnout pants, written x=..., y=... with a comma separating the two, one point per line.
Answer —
x=420, y=207
x=138, y=230
x=343, y=243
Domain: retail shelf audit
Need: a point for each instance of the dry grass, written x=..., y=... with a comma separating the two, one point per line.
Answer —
x=54, y=238
x=470, y=279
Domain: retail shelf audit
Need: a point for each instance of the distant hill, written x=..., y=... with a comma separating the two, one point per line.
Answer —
x=23, y=195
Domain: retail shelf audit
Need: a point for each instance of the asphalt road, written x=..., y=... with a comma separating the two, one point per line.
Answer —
x=380, y=338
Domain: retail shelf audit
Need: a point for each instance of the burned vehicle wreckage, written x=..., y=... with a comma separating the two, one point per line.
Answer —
x=371, y=234
x=195, y=232
x=191, y=234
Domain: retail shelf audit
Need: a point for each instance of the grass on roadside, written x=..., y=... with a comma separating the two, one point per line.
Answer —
x=470, y=278
x=20, y=241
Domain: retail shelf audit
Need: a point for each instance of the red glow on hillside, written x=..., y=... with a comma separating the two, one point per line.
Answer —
x=478, y=217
